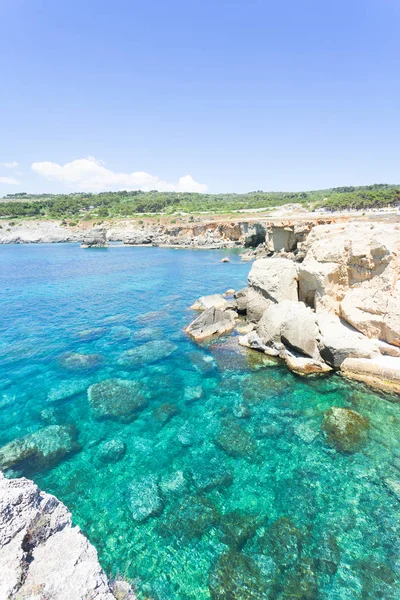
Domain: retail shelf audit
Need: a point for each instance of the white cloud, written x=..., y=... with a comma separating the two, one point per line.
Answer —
x=89, y=174
x=9, y=165
x=9, y=181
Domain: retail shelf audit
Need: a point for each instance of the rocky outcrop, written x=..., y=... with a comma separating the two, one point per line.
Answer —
x=42, y=555
x=95, y=238
x=270, y=280
x=338, y=309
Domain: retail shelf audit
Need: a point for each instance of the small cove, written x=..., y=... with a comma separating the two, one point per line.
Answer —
x=225, y=447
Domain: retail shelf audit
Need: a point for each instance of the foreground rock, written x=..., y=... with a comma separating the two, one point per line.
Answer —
x=41, y=554
x=210, y=323
x=95, y=238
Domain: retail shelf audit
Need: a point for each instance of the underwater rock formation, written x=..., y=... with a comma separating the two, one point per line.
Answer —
x=40, y=450
x=345, y=429
x=117, y=399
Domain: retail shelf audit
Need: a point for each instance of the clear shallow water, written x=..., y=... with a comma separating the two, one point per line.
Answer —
x=228, y=452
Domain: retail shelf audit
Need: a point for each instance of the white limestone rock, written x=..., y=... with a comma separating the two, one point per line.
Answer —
x=41, y=554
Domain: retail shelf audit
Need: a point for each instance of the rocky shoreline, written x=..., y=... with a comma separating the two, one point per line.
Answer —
x=331, y=305
x=42, y=555
x=275, y=234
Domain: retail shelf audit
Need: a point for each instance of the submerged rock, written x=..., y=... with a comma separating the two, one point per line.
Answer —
x=73, y=361
x=151, y=352
x=237, y=528
x=297, y=583
x=236, y=577
x=117, y=399
x=282, y=541
x=190, y=519
x=67, y=389
x=235, y=440
x=145, y=499
x=40, y=450
x=90, y=335
x=208, y=473
x=41, y=553
x=345, y=429
x=111, y=451
x=175, y=484
x=327, y=554
x=165, y=412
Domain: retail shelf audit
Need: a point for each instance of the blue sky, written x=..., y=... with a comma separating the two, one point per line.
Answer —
x=198, y=94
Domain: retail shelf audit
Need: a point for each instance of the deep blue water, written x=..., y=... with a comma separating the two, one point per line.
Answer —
x=213, y=477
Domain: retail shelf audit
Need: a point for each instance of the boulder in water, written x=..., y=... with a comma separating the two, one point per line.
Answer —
x=165, y=412
x=212, y=301
x=208, y=473
x=235, y=576
x=282, y=541
x=73, y=361
x=190, y=519
x=111, y=451
x=212, y=322
x=95, y=238
x=151, y=352
x=345, y=429
x=117, y=399
x=92, y=334
x=40, y=450
x=237, y=528
x=235, y=440
x=145, y=498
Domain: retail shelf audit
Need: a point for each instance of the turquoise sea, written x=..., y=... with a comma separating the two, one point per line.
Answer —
x=198, y=472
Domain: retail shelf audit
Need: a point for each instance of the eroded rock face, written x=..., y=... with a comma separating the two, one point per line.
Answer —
x=352, y=270
x=41, y=553
x=271, y=280
x=345, y=429
x=95, y=238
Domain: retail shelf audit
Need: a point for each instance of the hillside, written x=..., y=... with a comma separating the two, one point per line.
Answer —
x=86, y=206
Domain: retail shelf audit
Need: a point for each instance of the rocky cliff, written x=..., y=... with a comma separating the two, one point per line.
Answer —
x=42, y=555
x=335, y=307
x=271, y=235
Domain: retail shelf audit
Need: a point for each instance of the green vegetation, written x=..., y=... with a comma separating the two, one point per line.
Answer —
x=125, y=204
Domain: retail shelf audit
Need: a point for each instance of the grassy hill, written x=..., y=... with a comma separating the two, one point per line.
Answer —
x=86, y=206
